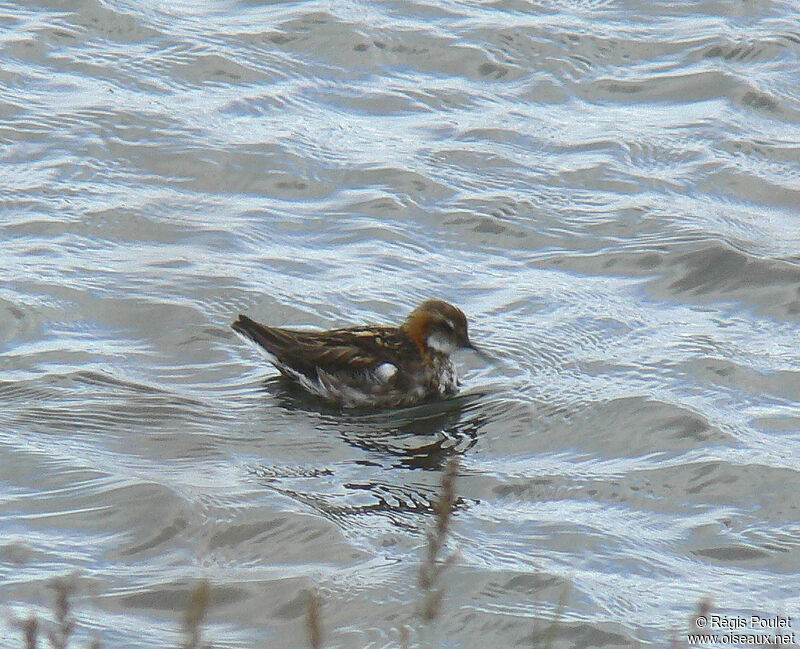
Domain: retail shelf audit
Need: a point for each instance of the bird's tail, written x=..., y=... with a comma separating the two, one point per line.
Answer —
x=251, y=330
x=274, y=340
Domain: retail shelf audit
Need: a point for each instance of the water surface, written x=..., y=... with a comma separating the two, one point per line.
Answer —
x=608, y=189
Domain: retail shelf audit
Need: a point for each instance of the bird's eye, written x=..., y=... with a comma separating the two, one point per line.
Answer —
x=449, y=326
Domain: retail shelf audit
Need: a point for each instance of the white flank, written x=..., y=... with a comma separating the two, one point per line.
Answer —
x=332, y=387
x=384, y=372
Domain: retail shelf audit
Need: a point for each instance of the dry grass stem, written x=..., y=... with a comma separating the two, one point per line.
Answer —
x=30, y=629
x=434, y=564
x=703, y=610
x=313, y=620
x=559, y=612
x=195, y=615
x=65, y=624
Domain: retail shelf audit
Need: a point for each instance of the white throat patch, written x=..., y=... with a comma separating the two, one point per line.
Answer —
x=441, y=343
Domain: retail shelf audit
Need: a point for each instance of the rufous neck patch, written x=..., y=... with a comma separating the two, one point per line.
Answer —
x=417, y=327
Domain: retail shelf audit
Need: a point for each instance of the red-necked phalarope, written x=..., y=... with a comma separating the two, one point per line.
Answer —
x=373, y=365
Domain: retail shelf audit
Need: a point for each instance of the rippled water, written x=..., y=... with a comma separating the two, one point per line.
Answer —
x=608, y=189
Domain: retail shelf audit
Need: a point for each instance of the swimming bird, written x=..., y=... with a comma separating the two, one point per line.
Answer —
x=375, y=366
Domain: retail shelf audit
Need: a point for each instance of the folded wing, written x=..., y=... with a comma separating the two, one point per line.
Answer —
x=339, y=353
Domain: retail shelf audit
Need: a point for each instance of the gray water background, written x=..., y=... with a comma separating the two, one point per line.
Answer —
x=609, y=189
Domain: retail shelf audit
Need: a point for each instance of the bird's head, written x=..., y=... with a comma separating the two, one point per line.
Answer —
x=438, y=326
